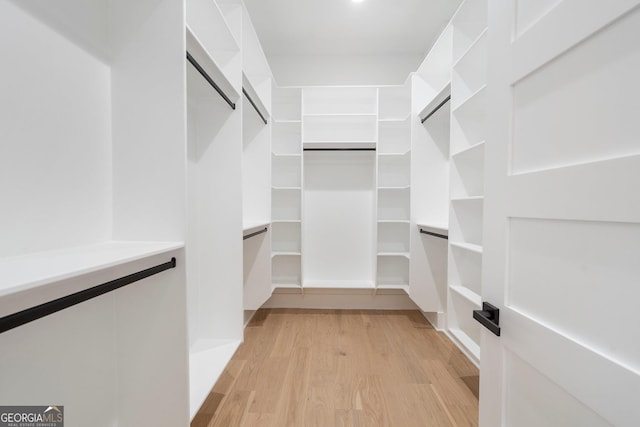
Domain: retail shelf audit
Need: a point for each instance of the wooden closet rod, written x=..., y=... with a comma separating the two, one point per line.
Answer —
x=34, y=313
x=264, y=230
x=208, y=78
x=436, y=109
x=442, y=236
x=254, y=106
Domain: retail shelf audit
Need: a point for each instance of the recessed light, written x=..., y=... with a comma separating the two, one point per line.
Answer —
x=357, y=1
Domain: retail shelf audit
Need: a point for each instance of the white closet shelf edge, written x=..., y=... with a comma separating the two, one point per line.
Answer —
x=37, y=271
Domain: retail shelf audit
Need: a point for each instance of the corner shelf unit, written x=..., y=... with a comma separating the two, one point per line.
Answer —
x=393, y=182
x=286, y=181
x=468, y=103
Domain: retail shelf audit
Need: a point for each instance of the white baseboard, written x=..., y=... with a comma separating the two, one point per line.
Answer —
x=437, y=319
x=342, y=299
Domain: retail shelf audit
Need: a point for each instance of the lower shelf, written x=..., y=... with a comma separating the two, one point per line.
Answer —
x=338, y=284
x=207, y=360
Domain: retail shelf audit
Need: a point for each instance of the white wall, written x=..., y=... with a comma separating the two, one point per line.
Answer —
x=301, y=70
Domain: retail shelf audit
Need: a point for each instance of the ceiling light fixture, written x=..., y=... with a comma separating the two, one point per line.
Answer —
x=357, y=1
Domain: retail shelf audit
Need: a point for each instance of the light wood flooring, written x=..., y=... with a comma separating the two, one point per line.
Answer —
x=343, y=368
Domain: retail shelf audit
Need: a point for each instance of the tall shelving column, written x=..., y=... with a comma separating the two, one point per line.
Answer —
x=339, y=132
x=286, y=181
x=393, y=185
x=468, y=105
x=214, y=177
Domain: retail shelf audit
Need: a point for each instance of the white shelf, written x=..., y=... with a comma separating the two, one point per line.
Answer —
x=434, y=228
x=286, y=188
x=394, y=254
x=338, y=284
x=470, y=48
x=210, y=65
x=467, y=199
x=286, y=286
x=404, y=187
x=392, y=155
x=395, y=119
x=287, y=121
x=207, y=360
x=283, y=155
x=340, y=114
x=468, y=294
x=35, y=271
x=251, y=90
x=478, y=94
x=467, y=246
x=467, y=150
x=339, y=144
x=284, y=253
x=286, y=221
x=437, y=99
x=393, y=221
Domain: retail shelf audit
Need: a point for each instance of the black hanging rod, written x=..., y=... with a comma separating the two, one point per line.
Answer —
x=435, y=109
x=264, y=230
x=339, y=149
x=34, y=313
x=208, y=78
x=442, y=236
x=254, y=106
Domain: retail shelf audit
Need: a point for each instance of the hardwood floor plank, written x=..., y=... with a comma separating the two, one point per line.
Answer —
x=328, y=368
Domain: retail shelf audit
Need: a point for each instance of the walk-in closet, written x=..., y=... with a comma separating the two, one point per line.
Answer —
x=297, y=213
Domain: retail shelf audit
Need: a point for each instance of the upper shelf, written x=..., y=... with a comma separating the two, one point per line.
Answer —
x=209, y=64
x=340, y=145
x=257, y=95
x=30, y=274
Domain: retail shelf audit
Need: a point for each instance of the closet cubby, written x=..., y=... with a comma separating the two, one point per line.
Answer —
x=393, y=237
x=469, y=73
x=286, y=204
x=286, y=271
x=339, y=128
x=394, y=137
x=469, y=22
x=393, y=204
x=287, y=104
x=468, y=122
x=340, y=101
x=394, y=103
x=285, y=138
x=461, y=324
x=394, y=170
x=465, y=272
x=393, y=271
x=286, y=237
x=466, y=220
x=467, y=172
x=287, y=172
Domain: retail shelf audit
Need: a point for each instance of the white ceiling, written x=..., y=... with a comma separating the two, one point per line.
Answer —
x=343, y=27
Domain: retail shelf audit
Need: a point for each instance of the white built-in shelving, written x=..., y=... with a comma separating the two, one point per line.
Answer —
x=468, y=99
x=286, y=181
x=393, y=183
x=339, y=137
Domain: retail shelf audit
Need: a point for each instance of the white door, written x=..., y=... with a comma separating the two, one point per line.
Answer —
x=562, y=214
